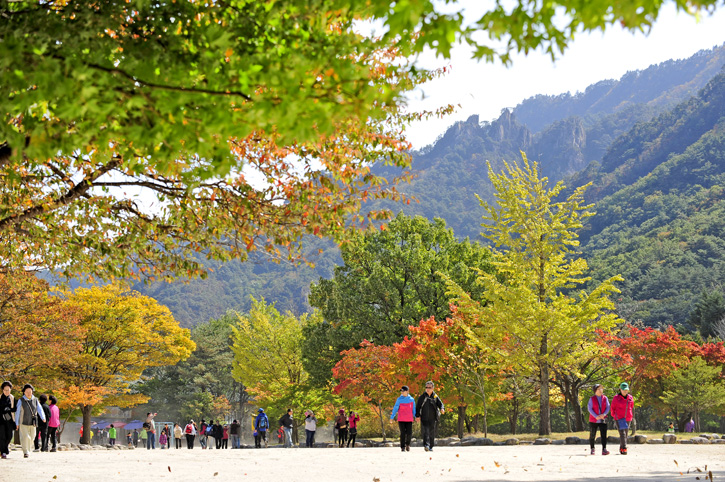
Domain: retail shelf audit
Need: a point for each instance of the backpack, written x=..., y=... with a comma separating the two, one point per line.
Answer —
x=188, y=428
x=209, y=430
x=262, y=422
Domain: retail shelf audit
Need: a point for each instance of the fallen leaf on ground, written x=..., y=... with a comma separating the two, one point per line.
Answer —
x=496, y=464
x=169, y=467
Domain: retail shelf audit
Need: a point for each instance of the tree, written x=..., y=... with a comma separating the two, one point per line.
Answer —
x=533, y=294
x=371, y=373
x=125, y=333
x=33, y=323
x=389, y=280
x=709, y=310
x=267, y=347
x=696, y=387
x=177, y=79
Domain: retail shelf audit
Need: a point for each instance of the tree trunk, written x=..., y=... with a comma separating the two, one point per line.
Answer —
x=697, y=421
x=577, y=406
x=86, y=410
x=382, y=422
x=475, y=422
x=485, y=418
x=544, y=402
x=461, y=419
x=566, y=413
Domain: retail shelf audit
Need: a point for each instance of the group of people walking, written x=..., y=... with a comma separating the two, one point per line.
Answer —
x=36, y=422
x=427, y=411
x=621, y=410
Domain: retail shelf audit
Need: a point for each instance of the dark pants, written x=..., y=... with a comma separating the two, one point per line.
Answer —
x=52, y=437
x=41, y=442
x=177, y=443
x=261, y=436
x=6, y=436
x=352, y=435
x=602, y=427
x=342, y=437
x=151, y=441
x=310, y=442
x=189, y=441
x=218, y=441
x=225, y=443
x=406, y=433
x=428, y=432
x=623, y=434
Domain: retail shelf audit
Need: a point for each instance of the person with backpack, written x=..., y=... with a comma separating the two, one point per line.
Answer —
x=210, y=434
x=7, y=424
x=352, y=421
x=261, y=425
x=598, y=407
x=429, y=409
x=341, y=424
x=622, y=413
x=190, y=431
x=405, y=410
x=26, y=418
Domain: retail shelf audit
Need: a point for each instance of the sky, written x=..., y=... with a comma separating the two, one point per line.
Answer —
x=485, y=89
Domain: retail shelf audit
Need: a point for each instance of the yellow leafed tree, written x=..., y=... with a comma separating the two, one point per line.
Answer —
x=125, y=333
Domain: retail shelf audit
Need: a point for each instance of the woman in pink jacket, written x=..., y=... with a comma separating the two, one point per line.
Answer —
x=622, y=413
x=54, y=422
x=405, y=409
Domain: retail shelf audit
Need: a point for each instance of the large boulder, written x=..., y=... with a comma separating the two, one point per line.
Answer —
x=719, y=441
x=542, y=441
x=700, y=440
x=445, y=442
x=655, y=441
x=640, y=439
x=705, y=435
x=511, y=441
x=558, y=442
x=670, y=438
x=476, y=441
x=613, y=439
x=572, y=440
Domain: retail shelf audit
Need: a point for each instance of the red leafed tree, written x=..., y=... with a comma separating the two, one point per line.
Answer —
x=648, y=356
x=372, y=373
x=713, y=354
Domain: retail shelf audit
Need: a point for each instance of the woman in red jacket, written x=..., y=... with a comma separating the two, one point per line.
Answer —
x=622, y=413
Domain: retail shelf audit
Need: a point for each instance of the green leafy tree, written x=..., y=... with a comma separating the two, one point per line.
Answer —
x=709, y=310
x=697, y=387
x=549, y=325
x=389, y=280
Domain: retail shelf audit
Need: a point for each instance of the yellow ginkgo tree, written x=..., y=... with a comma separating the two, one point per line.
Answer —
x=125, y=333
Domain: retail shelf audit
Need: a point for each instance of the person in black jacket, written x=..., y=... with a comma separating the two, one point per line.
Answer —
x=427, y=412
x=287, y=423
x=42, y=443
x=7, y=418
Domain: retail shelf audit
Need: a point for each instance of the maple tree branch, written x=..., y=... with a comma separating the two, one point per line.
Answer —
x=71, y=195
x=174, y=88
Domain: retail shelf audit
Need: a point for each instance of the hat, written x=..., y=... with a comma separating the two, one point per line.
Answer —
x=26, y=386
x=260, y=410
x=404, y=388
x=624, y=386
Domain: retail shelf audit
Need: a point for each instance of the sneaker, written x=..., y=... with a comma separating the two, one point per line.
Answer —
x=407, y=448
x=4, y=456
x=53, y=450
x=25, y=456
x=426, y=448
x=605, y=452
x=402, y=449
x=430, y=449
x=623, y=451
x=593, y=452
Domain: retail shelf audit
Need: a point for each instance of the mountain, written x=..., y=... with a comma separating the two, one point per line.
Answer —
x=660, y=222
x=655, y=165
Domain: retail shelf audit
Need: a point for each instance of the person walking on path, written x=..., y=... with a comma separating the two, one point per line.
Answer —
x=169, y=435
x=287, y=423
x=26, y=418
x=428, y=412
x=150, y=431
x=163, y=439
x=202, y=434
x=341, y=425
x=190, y=431
x=234, y=434
x=41, y=443
x=7, y=424
x=405, y=410
x=261, y=426
x=225, y=437
x=622, y=413
x=177, y=436
x=112, y=435
x=53, y=423
x=598, y=407
x=352, y=421
x=310, y=428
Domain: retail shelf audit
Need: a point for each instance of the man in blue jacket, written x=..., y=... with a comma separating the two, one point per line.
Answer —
x=261, y=425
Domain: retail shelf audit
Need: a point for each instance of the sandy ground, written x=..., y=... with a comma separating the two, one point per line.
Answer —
x=513, y=463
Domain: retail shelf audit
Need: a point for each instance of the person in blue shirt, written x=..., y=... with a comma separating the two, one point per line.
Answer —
x=405, y=410
x=26, y=419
